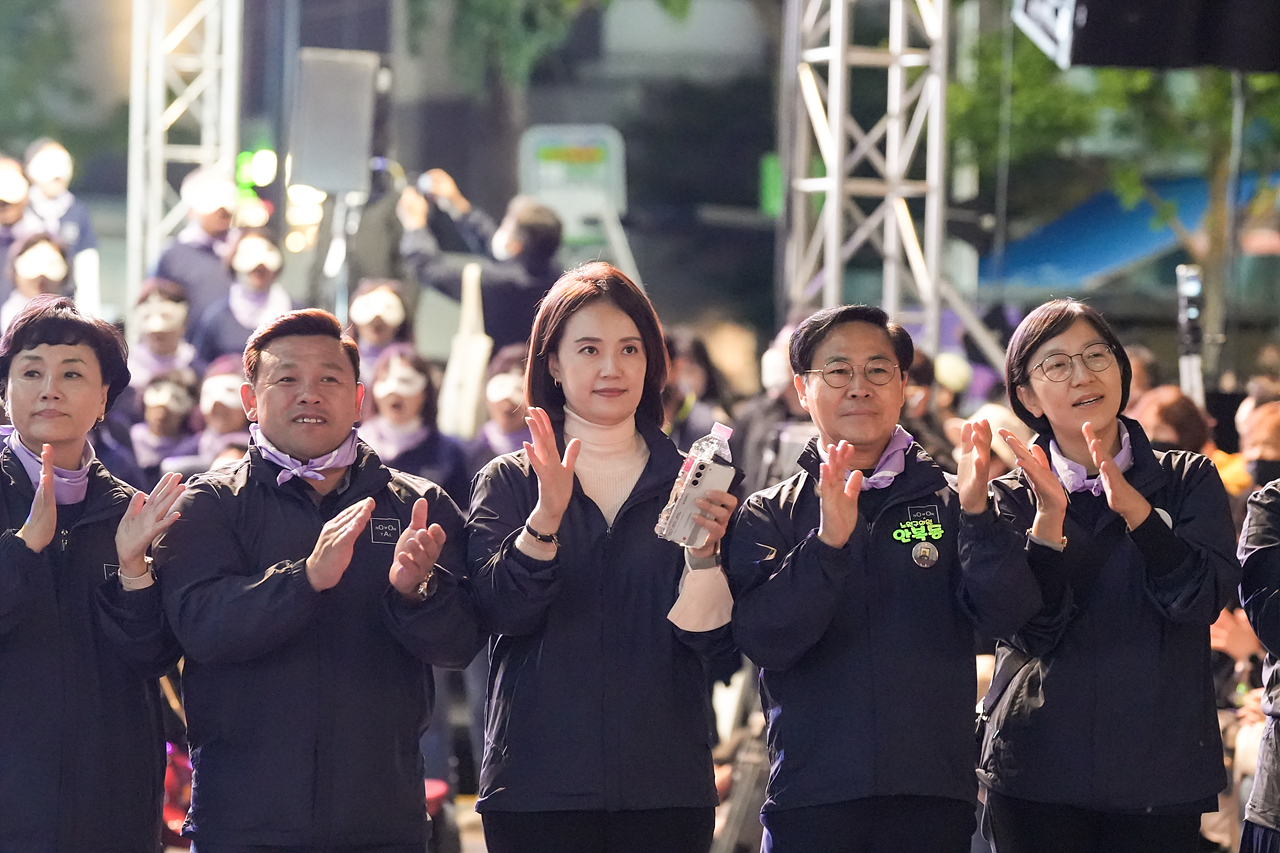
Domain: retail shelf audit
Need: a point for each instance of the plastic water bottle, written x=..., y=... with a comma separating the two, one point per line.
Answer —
x=709, y=465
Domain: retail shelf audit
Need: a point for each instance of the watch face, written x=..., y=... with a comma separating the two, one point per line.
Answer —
x=925, y=554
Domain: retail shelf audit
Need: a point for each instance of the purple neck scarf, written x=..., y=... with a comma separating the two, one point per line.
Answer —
x=893, y=461
x=342, y=457
x=69, y=487
x=1075, y=478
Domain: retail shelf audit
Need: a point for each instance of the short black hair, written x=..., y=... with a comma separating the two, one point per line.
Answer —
x=52, y=319
x=1048, y=321
x=307, y=322
x=810, y=334
x=536, y=227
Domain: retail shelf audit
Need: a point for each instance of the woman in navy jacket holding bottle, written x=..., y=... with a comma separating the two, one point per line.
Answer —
x=598, y=726
x=1107, y=738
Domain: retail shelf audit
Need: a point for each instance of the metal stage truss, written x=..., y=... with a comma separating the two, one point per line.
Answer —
x=185, y=75
x=868, y=175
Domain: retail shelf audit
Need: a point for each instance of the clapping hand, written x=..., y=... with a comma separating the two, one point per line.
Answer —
x=333, y=549
x=1122, y=497
x=416, y=552
x=974, y=466
x=42, y=521
x=146, y=517
x=1051, y=498
x=555, y=474
x=838, y=495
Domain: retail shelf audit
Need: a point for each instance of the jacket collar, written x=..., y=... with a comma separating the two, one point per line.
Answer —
x=920, y=476
x=1146, y=474
x=105, y=495
x=368, y=474
x=663, y=465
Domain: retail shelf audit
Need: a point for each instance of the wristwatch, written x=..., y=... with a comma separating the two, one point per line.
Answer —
x=548, y=538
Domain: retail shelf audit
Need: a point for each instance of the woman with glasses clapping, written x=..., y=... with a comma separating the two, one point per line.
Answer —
x=1101, y=732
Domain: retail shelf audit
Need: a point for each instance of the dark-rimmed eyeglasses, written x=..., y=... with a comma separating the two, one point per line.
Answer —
x=1057, y=367
x=838, y=374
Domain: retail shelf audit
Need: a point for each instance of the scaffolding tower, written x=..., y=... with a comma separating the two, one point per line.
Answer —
x=869, y=175
x=185, y=75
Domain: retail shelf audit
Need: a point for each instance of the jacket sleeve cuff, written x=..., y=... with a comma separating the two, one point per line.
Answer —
x=705, y=602
x=1161, y=548
x=542, y=552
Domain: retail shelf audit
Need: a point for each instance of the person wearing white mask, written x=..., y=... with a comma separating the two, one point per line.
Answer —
x=255, y=298
x=520, y=265
x=49, y=167
x=378, y=315
x=505, y=431
x=16, y=219
x=403, y=429
x=195, y=259
x=167, y=404
x=37, y=264
x=225, y=423
x=160, y=321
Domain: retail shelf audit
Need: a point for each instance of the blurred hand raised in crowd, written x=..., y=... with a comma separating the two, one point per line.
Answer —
x=411, y=210
x=444, y=186
x=839, y=496
x=974, y=470
x=1233, y=635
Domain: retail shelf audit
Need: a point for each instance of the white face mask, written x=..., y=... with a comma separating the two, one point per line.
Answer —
x=168, y=395
x=500, y=245
x=379, y=302
x=254, y=252
x=400, y=379
x=158, y=314
x=50, y=164
x=505, y=386
x=42, y=259
x=223, y=388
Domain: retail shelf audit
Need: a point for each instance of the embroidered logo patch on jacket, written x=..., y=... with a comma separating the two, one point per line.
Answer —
x=384, y=531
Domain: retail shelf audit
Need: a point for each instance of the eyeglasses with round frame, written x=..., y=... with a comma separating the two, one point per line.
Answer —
x=838, y=374
x=1057, y=367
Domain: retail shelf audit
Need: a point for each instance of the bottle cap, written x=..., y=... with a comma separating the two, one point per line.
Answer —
x=723, y=431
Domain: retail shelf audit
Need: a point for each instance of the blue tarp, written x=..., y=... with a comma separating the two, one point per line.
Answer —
x=1101, y=238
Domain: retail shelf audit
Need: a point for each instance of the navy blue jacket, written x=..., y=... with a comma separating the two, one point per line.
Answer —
x=304, y=708
x=1124, y=717
x=81, y=739
x=867, y=658
x=596, y=701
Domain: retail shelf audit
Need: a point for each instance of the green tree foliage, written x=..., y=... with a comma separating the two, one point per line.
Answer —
x=36, y=90
x=1158, y=121
x=1048, y=113
x=505, y=39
